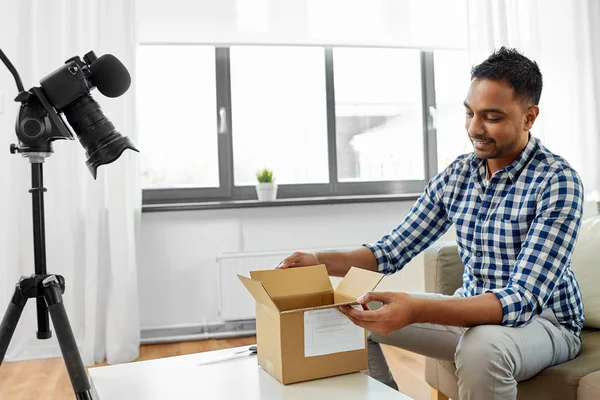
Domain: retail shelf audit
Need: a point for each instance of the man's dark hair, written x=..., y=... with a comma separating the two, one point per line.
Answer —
x=521, y=74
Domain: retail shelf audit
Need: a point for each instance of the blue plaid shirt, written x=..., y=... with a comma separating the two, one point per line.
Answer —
x=515, y=235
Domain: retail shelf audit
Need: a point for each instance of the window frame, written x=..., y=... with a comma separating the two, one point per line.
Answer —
x=227, y=192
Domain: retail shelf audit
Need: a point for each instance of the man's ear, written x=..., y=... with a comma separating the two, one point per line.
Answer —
x=530, y=116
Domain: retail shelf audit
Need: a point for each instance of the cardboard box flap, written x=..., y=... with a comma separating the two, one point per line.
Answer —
x=257, y=291
x=357, y=282
x=294, y=281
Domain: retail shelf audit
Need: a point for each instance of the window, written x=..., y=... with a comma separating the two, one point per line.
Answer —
x=279, y=114
x=329, y=121
x=178, y=147
x=378, y=112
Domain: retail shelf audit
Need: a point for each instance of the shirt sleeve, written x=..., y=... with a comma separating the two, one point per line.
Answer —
x=425, y=223
x=546, y=252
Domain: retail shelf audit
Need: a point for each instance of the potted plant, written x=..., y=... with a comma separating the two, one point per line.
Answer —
x=266, y=188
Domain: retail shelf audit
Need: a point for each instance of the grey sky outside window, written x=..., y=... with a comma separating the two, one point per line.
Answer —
x=343, y=139
x=452, y=78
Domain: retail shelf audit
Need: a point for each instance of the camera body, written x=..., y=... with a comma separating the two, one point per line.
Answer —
x=69, y=82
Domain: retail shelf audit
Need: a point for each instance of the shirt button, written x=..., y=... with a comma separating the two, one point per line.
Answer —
x=478, y=254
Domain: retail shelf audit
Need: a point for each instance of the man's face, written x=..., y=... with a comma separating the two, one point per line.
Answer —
x=497, y=122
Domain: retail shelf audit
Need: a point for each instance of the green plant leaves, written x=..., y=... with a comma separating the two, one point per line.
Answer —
x=264, y=175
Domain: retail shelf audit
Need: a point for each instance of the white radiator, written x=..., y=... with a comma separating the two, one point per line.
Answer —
x=234, y=300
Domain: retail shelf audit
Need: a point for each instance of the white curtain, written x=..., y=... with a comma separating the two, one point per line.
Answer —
x=563, y=37
x=90, y=225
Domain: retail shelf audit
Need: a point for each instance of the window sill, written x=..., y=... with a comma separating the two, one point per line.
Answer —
x=219, y=205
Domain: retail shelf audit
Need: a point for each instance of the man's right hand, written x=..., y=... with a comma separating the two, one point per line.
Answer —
x=298, y=259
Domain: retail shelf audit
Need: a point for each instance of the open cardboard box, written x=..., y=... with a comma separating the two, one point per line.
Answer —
x=300, y=333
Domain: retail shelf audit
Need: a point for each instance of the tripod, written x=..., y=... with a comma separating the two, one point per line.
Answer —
x=46, y=288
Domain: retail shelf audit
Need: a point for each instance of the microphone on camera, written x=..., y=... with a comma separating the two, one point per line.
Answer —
x=110, y=76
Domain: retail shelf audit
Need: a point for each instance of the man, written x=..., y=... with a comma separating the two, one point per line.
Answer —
x=517, y=209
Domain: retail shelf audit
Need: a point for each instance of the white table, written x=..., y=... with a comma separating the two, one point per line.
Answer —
x=239, y=378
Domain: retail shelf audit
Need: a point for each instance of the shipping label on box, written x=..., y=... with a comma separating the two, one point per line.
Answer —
x=329, y=331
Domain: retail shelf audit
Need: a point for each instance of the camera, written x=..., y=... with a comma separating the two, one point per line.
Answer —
x=66, y=91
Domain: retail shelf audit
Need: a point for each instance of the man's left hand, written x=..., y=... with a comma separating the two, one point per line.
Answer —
x=397, y=312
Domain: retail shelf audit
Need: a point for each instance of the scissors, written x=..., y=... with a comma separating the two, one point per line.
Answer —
x=250, y=351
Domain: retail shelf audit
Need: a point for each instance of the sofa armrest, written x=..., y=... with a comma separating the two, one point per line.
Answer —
x=443, y=268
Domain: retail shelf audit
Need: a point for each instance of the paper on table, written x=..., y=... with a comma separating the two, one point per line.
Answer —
x=329, y=331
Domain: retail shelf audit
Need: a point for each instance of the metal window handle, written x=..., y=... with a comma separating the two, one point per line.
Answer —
x=433, y=115
x=222, y=120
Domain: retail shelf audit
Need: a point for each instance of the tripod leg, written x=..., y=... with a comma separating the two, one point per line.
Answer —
x=10, y=320
x=66, y=340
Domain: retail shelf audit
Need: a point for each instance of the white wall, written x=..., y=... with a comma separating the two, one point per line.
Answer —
x=179, y=250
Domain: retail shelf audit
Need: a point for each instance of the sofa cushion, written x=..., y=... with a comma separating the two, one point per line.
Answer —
x=585, y=263
x=555, y=383
x=561, y=381
x=589, y=387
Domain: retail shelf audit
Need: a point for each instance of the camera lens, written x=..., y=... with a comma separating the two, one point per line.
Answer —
x=103, y=144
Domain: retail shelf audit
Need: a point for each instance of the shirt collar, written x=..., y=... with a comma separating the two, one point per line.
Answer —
x=514, y=169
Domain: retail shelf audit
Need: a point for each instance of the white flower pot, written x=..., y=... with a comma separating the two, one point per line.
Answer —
x=266, y=191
